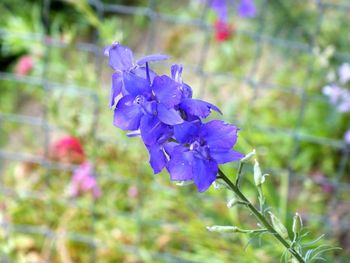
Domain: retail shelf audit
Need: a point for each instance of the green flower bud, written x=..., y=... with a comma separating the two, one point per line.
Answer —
x=278, y=226
x=248, y=157
x=219, y=185
x=259, y=178
x=297, y=224
x=183, y=183
x=232, y=202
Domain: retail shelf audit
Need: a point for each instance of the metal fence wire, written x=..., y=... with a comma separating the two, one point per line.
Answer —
x=156, y=23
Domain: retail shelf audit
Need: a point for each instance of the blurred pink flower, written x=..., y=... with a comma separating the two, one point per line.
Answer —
x=84, y=181
x=322, y=181
x=24, y=65
x=133, y=192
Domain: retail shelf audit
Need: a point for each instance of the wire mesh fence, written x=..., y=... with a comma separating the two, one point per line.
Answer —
x=159, y=23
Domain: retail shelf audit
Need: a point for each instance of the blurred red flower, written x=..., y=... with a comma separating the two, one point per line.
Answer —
x=68, y=149
x=223, y=30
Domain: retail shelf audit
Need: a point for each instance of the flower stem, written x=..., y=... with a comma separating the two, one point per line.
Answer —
x=260, y=217
x=239, y=174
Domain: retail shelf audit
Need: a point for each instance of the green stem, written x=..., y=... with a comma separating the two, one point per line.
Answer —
x=239, y=174
x=251, y=231
x=260, y=217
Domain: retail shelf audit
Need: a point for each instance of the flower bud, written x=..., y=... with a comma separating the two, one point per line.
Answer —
x=222, y=228
x=297, y=224
x=259, y=178
x=248, y=157
x=183, y=183
x=219, y=185
x=232, y=202
x=278, y=226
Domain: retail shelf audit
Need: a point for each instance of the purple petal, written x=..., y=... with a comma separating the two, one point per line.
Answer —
x=136, y=85
x=153, y=131
x=185, y=132
x=168, y=116
x=134, y=134
x=198, y=108
x=117, y=84
x=150, y=58
x=225, y=156
x=176, y=72
x=204, y=173
x=186, y=91
x=127, y=115
x=142, y=73
x=120, y=57
x=169, y=147
x=158, y=159
x=167, y=91
x=180, y=165
x=219, y=135
x=246, y=8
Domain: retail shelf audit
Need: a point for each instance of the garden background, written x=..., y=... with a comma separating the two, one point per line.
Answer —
x=267, y=77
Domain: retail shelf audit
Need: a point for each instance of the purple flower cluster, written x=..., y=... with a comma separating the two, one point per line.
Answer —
x=245, y=8
x=339, y=95
x=170, y=122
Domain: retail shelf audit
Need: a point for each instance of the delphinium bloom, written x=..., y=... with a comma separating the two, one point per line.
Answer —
x=121, y=59
x=201, y=147
x=83, y=181
x=170, y=122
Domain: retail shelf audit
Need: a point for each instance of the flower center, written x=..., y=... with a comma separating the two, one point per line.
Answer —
x=194, y=146
x=201, y=151
x=139, y=99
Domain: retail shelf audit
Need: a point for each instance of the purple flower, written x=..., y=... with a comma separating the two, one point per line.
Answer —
x=84, y=181
x=221, y=8
x=121, y=60
x=344, y=73
x=202, y=147
x=162, y=111
x=246, y=8
x=156, y=102
x=176, y=73
x=347, y=137
x=338, y=96
x=192, y=108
